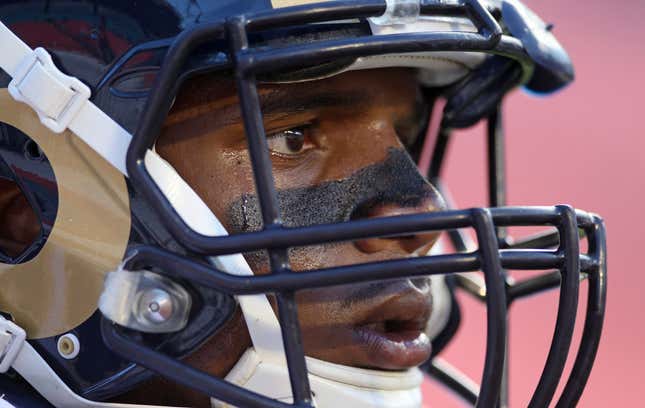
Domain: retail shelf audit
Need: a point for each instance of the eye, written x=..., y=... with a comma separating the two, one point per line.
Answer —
x=291, y=142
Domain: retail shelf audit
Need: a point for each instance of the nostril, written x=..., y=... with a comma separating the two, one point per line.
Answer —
x=409, y=243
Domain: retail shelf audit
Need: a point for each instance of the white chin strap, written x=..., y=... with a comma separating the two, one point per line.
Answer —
x=62, y=102
x=332, y=385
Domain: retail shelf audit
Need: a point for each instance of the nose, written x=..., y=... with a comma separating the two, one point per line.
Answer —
x=417, y=242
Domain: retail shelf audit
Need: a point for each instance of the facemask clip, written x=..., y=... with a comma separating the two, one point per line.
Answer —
x=399, y=12
x=145, y=301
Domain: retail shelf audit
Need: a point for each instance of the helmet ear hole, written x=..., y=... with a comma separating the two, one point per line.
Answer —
x=28, y=194
x=19, y=223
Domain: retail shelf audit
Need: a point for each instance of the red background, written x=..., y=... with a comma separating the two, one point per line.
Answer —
x=583, y=146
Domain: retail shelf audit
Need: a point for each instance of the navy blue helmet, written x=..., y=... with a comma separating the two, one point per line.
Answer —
x=120, y=271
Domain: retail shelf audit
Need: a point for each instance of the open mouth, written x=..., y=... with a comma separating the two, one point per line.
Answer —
x=394, y=337
x=397, y=330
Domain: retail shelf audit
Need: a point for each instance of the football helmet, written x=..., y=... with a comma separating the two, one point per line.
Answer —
x=130, y=271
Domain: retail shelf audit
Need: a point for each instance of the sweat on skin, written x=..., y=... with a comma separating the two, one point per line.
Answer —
x=336, y=156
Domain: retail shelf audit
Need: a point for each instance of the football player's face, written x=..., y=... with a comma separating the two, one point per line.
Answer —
x=337, y=155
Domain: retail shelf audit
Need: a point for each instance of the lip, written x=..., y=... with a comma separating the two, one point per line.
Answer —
x=393, y=335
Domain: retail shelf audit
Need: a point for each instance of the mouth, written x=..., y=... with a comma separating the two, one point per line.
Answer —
x=394, y=336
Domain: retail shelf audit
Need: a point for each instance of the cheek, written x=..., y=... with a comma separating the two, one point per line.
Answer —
x=218, y=175
x=297, y=172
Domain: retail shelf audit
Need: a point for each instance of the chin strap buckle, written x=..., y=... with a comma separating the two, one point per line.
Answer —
x=12, y=338
x=57, y=98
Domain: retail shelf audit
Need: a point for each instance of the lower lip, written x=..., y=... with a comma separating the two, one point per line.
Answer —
x=395, y=350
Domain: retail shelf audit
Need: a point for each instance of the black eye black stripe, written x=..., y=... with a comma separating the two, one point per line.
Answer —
x=395, y=180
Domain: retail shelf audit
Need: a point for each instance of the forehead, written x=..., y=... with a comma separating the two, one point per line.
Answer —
x=376, y=85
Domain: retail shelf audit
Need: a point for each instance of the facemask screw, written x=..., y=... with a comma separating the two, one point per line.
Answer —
x=68, y=346
x=156, y=306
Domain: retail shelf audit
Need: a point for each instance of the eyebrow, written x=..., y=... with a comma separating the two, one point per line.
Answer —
x=283, y=102
x=276, y=102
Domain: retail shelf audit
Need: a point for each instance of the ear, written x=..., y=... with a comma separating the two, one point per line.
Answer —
x=19, y=225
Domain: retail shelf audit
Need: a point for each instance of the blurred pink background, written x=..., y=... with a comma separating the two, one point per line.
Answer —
x=584, y=146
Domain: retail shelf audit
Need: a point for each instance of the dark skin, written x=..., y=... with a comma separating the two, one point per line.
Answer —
x=19, y=224
x=323, y=135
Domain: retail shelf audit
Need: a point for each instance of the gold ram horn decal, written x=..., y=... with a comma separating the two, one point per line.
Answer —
x=58, y=289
